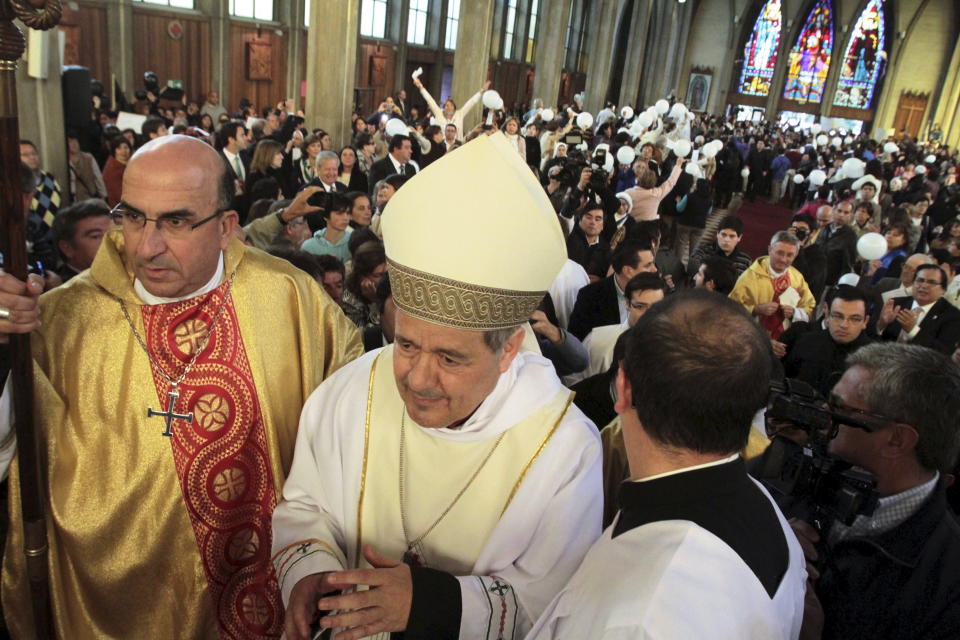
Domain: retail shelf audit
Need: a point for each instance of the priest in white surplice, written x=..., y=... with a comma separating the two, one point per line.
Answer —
x=451, y=450
x=698, y=549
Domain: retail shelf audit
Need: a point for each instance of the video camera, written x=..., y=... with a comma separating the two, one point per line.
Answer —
x=801, y=469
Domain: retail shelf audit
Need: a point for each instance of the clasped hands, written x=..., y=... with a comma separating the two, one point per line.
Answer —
x=383, y=607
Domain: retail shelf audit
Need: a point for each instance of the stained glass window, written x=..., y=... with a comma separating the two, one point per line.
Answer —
x=760, y=54
x=809, y=59
x=864, y=60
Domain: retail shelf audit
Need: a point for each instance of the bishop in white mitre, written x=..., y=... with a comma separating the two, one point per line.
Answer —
x=445, y=486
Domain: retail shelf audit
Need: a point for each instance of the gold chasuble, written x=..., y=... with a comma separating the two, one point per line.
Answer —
x=169, y=537
x=434, y=470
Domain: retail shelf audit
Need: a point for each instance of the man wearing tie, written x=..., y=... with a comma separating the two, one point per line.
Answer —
x=328, y=169
x=397, y=161
x=231, y=140
x=926, y=319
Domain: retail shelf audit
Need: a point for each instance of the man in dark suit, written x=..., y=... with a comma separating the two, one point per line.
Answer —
x=328, y=169
x=839, y=242
x=232, y=139
x=602, y=303
x=926, y=319
x=397, y=161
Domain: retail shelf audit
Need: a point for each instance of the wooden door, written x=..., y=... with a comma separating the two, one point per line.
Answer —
x=910, y=112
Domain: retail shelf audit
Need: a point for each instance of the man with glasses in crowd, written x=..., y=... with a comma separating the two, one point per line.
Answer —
x=924, y=319
x=166, y=411
x=895, y=573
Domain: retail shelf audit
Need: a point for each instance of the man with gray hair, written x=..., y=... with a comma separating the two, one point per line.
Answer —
x=328, y=170
x=773, y=290
x=896, y=573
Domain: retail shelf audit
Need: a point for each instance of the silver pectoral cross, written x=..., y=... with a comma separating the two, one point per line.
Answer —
x=169, y=414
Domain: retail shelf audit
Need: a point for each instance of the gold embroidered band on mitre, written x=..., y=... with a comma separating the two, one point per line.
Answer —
x=460, y=305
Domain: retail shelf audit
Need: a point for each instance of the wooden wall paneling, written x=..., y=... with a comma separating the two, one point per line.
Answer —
x=187, y=59
x=86, y=39
x=259, y=92
x=375, y=74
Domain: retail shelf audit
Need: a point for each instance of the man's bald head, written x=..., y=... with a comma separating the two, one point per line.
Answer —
x=824, y=215
x=186, y=163
x=699, y=369
x=909, y=269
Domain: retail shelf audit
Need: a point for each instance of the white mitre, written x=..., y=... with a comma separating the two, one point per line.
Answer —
x=472, y=241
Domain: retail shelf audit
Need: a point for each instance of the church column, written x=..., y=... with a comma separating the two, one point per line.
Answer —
x=400, y=60
x=551, y=42
x=332, y=66
x=680, y=18
x=120, y=56
x=216, y=11
x=296, y=38
x=601, y=36
x=473, y=54
x=947, y=114
x=40, y=104
x=633, y=64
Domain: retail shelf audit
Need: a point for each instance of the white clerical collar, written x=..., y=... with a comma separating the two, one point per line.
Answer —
x=150, y=299
x=715, y=463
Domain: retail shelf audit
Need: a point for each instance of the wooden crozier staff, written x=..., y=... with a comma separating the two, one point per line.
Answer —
x=36, y=14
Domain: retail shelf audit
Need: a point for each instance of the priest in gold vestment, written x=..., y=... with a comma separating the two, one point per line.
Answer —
x=169, y=381
x=452, y=449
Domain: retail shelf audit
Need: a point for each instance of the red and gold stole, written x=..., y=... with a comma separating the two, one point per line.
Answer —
x=774, y=323
x=221, y=459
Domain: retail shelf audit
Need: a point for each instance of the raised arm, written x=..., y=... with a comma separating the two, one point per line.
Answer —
x=434, y=108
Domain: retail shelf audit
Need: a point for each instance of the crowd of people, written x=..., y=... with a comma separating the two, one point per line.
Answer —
x=646, y=203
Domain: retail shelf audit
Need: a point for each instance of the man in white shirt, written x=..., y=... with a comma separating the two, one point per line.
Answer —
x=398, y=161
x=698, y=549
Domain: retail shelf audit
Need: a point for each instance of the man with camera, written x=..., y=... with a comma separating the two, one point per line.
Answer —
x=895, y=573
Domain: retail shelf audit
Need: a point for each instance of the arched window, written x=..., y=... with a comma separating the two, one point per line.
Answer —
x=864, y=60
x=809, y=59
x=760, y=53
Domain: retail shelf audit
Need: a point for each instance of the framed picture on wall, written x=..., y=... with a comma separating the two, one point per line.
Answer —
x=378, y=71
x=259, y=60
x=698, y=90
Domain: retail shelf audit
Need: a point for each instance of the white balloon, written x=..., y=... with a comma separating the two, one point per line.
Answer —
x=627, y=112
x=547, y=115
x=699, y=140
x=678, y=110
x=815, y=128
x=854, y=168
x=798, y=179
x=745, y=172
x=662, y=107
x=644, y=120
x=717, y=144
x=817, y=177
x=396, y=127
x=849, y=279
x=848, y=140
x=584, y=120
x=930, y=159
x=842, y=132
x=891, y=147
x=837, y=142
x=709, y=151
x=498, y=105
x=872, y=246
x=822, y=140
x=920, y=168
x=608, y=163
x=694, y=169
x=682, y=148
x=490, y=98
x=626, y=155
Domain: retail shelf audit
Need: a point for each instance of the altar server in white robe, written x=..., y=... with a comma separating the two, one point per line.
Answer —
x=447, y=477
x=698, y=549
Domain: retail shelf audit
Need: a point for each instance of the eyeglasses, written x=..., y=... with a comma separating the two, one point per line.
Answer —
x=839, y=317
x=850, y=415
x=925, y=281
x=170, y=225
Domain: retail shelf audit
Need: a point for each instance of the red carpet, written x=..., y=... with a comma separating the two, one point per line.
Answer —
x=760, y=222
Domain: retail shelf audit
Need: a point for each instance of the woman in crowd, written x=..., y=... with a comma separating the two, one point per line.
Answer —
x=890, y=265
x=366, y=148
x=359, y=295
x=206, y=123
x=86, y=181
x=434, y=134
x=113, y=171
x=307, y=165
x=359, y=128
x=511, y=128
x=350, y=172
x=268, y=162
x=646, y=196
x=449, y=114
x=361, y=211
x=949, y=236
